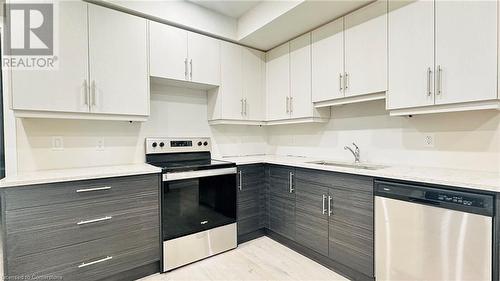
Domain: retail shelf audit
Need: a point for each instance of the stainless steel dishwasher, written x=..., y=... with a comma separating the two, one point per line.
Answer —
x=426, y=233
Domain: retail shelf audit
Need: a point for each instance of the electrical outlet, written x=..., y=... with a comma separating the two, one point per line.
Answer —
x=57, y=144
x=100, y=144
x=429, y=140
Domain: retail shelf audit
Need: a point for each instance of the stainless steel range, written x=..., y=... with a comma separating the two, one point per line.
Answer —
x=198, y=200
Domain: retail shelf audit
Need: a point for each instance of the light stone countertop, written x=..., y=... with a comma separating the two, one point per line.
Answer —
x=62, y=175
x=478, y=180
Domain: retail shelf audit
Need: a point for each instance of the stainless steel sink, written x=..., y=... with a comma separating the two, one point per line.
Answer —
x=347, y=165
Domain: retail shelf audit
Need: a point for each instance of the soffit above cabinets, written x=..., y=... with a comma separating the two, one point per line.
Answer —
x=259, y=24
x=234, y=9
x=300, y=18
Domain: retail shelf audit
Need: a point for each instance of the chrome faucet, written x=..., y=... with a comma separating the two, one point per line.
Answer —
x=354, y=152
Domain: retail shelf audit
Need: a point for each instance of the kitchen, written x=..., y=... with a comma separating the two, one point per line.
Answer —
x=108, y=157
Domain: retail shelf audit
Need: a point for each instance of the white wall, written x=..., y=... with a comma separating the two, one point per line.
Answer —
x=175, y=112
x=463, y=140
x=186, y=14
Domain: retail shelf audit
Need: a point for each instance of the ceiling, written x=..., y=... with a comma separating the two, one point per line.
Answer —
x=231, y=8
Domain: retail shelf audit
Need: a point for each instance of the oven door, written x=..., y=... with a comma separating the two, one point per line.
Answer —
x=195, y=201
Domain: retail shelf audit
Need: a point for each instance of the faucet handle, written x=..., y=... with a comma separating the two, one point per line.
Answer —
x=355, y=146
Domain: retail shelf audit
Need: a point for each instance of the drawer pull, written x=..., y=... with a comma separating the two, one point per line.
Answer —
x=95, y=262
x=94, y=220
x=93, y=189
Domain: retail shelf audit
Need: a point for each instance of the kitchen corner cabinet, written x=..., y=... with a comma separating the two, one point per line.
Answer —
x=282, y=201
x=288, y=80
x=443, y=56
x=240, y=96
x=102, y=69
x=349, y=57
x=251, y=182
x=182, y=55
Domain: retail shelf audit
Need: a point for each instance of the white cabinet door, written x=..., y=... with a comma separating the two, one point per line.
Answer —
x=118, y=62
x=278, y=82
x=168, y=51
x=300, y=77
x=204, y=59
x=411, y=54
x=366, y=50
x=466, y=51
x=253, y=83
x=328, y=61
x=231, y=89
x=63, y=89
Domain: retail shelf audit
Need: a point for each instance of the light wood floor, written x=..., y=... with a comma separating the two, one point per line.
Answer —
x=259, y=259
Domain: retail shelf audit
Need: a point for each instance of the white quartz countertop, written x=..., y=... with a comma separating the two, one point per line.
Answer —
x=62, y=175
x=486, y=181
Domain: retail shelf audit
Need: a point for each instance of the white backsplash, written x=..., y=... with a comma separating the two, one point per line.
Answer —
x=463, y=140
x=175, y=112
x=467, y=140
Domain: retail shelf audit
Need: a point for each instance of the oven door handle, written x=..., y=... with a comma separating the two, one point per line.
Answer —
x=198, y=174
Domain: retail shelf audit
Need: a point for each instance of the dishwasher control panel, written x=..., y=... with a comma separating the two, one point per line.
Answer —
x=455, y=199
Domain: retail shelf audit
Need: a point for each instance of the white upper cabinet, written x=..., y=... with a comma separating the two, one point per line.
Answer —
x=366, y=50
x=204, y=59
x=411, y=54
x=168, y=51
x=254, y=83
x=102, y=71
x=231, y=88
x=240, y=96
x=442, y=53
x=278, y=82
x=328, y=61
x=64, y=89
x=466, y=51
x=118, y=62
x=184, y=56
x=300, y=103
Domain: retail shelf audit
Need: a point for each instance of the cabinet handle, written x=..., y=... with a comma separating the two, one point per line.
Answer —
x=245, y=107
x=429, y=74
x=439, y=70
x=186, y=68
x=94, y=220
x=94, y=93
x=346, y=81
x=291, y=182
x=86, y=92
x=93, y=189
x=324, y=203
x=291, y=105
x=240, y=180
x=330, y=207
x=95, y=262
x=340, y=82
x=191, y=68
x=287, y=110
x=241, y=101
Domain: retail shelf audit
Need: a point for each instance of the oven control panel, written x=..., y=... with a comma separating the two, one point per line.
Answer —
x=175, y=145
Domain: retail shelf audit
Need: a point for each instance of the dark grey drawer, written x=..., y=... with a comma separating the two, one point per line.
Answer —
x=89, y=190
x=127, y=250
x=39, y=229
x=333, y=179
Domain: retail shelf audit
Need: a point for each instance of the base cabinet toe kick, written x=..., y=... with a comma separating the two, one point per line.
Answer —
x=102, y=229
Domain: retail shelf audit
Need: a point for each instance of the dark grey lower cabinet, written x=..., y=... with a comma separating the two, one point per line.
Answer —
x=311, y=216
x=351, y=222
x=251, y=183
x=82, y=230
x=282, y=201
x=334, y=217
